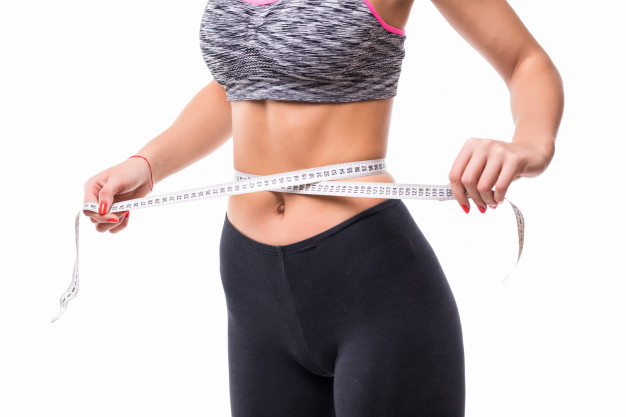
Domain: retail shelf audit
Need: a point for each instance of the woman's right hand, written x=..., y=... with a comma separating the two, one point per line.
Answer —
x=125, y=181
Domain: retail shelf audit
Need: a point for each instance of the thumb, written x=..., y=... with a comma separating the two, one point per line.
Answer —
x=107, y=194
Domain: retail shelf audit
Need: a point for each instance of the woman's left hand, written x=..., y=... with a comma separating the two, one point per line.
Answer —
x=485, y=163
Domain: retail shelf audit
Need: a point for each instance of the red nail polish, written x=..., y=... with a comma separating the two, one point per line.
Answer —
x=103, y=208
x=465, y=208
x=113, y=220
x=127, y=214
x=493, y=206
x=481, y=209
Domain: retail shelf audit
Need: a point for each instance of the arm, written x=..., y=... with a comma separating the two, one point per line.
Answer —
x=203, y=126
x=537, y=101
x=496, y=32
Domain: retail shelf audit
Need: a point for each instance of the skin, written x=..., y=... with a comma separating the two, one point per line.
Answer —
x=271, y=136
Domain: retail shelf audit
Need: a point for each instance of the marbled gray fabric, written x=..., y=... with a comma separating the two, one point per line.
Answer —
x=303, y=50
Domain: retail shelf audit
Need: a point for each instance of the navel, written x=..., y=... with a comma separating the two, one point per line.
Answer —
x=281, y=208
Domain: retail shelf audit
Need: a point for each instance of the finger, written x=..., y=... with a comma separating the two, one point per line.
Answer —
x=459, y=193
x=92, y=188
x=121, y=226
x=488, y=180
x=111, y=222
x=471, y=176
x=456, y=186
x=107, y=194
x=510, y=168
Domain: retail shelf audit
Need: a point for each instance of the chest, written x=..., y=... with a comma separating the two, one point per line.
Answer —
x=297, y=41
x=291, y=19
x=307, y=30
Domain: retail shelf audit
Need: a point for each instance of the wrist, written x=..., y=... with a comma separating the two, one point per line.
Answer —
x=149, y=167
x=541, y=140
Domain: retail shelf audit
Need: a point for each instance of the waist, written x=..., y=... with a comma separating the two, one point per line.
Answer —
x=317, y=176
x=280, y=218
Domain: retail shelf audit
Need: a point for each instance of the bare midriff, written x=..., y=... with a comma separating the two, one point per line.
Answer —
x=271, y=136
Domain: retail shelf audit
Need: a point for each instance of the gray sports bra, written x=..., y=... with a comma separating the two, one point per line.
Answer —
x=303, y=50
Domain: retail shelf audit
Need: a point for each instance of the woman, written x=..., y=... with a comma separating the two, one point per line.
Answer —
x=336, y=305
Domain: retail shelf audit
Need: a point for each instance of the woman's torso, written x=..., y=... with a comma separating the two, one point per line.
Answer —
x=271, y=136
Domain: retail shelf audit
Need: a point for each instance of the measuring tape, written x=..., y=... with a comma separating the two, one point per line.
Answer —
x=305, y=181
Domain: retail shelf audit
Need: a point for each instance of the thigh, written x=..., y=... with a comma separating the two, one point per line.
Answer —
x=414, y=368
x=269, y=375
x=403, y=354
x=265, y=381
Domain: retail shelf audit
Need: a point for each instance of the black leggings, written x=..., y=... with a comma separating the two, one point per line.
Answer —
x=356, y=321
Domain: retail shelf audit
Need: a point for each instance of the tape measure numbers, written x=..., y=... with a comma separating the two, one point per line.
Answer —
x=305, y=181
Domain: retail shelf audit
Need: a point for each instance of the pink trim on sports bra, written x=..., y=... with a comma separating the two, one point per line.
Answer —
x=259, y=2
x=380, y=19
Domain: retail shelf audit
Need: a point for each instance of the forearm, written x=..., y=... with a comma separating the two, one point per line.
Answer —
x=204, y=125
x=537, y=102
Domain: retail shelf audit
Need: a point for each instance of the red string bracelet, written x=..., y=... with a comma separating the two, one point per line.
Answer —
x=151, y=180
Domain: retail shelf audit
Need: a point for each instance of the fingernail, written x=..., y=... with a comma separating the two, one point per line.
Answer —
x=493, y=206
x=481, y=209
x=103, y=208
x=113, y=220
x=127, y=213
x=465, y=208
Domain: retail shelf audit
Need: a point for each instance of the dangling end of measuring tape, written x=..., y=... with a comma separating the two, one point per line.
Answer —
x=72, y=290
x=520, y=235
x=520, y=232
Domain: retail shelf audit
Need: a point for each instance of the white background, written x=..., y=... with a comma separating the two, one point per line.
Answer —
x=84, y=84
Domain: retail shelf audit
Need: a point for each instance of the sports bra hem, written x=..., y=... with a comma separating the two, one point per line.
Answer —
x=249, y=96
